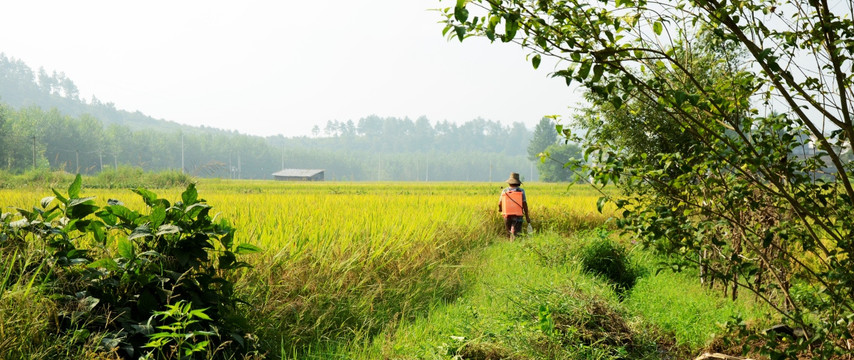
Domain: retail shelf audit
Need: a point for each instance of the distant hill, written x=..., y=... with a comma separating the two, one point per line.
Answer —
x=43, y=113
x=20, y=86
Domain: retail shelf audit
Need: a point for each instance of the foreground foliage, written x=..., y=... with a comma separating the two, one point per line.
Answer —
x=757, y=199
x=117, y=275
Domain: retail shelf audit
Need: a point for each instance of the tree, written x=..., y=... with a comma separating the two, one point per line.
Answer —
x=553, y=166
x=747, y=202
x=544, y=136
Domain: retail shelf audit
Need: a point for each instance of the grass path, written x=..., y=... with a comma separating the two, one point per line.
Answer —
x=529, y=299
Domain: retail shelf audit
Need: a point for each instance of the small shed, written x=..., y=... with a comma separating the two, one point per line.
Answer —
x=299, y=175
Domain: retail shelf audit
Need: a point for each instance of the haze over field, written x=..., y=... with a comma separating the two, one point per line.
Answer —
x=267, y=68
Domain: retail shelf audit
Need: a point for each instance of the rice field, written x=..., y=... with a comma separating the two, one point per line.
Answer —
x=341, y=261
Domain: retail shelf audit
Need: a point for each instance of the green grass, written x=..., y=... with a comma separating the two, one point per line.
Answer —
x=531, y=299
x=518, y=306
x=677, y=303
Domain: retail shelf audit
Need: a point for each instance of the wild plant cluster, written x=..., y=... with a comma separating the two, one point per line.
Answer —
x=127, y=283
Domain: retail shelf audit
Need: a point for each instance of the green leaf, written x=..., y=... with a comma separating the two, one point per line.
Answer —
x=617, y=102
x=140, y=232
x=657, y=27
x=59, y=196
x=97, y=230
x=147, y=196
x=125, y=248
x=510, y=28
x=461, y=32
x=81, y=211
x=105, y=263
x=167, y=229
x=74, y=189
x=200, y=314
x=157, y=216
x=536, y=61
x=460, y=12
x=190, y=195
x=584, y=69
x=598, y=69
x=680, y=96
x=247, y=249
x=81, y=201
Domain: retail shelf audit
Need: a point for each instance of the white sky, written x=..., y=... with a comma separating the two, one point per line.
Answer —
x=279, y=67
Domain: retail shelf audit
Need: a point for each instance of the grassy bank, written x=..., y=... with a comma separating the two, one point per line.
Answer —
x=123, y=177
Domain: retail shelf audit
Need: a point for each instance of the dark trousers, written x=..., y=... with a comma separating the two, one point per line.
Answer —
x=513, y=223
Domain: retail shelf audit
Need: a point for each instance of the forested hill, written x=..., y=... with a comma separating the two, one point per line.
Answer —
x=42, y=113
x=20, y=86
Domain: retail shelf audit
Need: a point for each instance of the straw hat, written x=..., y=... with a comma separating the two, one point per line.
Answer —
x=514, y=179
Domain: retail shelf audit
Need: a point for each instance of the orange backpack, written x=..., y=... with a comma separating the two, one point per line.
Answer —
x=511, y=203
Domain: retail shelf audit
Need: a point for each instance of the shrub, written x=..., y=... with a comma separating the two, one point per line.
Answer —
x=604, y=257
x=174, y=254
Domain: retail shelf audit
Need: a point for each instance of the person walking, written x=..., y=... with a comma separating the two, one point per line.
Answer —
x=513, y=204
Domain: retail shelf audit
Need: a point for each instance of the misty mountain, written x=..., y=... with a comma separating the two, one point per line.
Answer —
x=42, y=114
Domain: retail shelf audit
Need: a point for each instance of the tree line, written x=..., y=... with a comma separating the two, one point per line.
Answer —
x=80, y=136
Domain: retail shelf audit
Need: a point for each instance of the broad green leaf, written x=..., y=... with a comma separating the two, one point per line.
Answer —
x=598, y=69
x=510, y=28
x=123, y=213
x=149, y=197
x=81, y=211
x=536, y=61
x=78, y=201
x=97, y=230
x=157, y=216
x=190, y=195
x=461, y=13
x=74, y=189
x=125, y=248
x=461, y=32
x=141, y=231
x=584, y=69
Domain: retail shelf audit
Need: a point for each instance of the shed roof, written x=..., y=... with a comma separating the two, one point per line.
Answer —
x=298, y=172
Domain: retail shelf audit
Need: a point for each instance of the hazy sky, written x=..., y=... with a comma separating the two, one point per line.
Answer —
x=279, y=67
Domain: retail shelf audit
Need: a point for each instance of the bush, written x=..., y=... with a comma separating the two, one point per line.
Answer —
x=169, y=265
x=606, y=258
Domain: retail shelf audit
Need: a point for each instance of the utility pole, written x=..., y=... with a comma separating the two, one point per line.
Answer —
x=34, y=152
x=101, y=160
x=77, y=155
x=239, y=169
x=283, y=156
x=182, y=153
